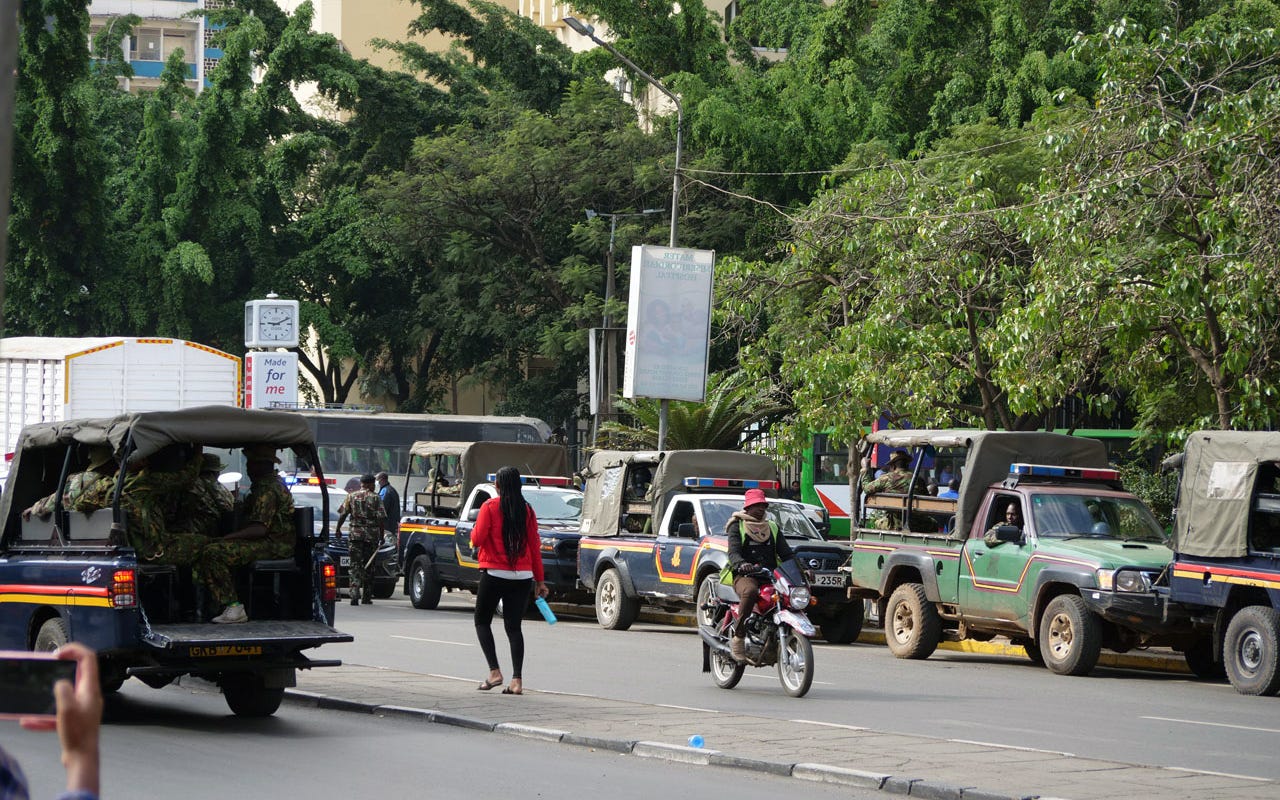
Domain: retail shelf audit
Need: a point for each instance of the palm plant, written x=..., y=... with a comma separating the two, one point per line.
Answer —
x=730, y=417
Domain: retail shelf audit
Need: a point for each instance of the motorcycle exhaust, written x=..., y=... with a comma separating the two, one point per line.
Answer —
x=713, y=643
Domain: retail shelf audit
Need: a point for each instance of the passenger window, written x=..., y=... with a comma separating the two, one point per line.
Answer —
x=680, y=515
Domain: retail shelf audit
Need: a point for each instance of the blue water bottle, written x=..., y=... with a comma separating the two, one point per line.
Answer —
x=547, y=614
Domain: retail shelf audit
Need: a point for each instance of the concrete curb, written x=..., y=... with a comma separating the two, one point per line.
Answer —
x=822, y=773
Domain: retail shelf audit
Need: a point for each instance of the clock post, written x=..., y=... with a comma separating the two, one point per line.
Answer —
x=271, y=374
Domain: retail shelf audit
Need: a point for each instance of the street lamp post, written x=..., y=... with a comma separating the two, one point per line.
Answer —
x=590, y=32
x=604, y=409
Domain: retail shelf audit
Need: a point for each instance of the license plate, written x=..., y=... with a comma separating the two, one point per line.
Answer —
x=828, y=579
x=223, y=651
x=344, y=561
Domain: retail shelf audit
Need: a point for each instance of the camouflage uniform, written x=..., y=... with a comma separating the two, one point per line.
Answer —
x=894, y=482
x=204, y=503
x=148, y=498
x=77, y=484
x=367, y=515
x=268, y=503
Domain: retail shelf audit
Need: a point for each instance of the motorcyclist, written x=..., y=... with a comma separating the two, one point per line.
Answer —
x=754, y=542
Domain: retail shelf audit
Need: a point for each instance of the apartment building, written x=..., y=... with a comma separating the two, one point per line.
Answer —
x=167, y=25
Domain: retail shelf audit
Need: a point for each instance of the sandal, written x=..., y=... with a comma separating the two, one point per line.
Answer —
x=487, y=685
x=509, y=690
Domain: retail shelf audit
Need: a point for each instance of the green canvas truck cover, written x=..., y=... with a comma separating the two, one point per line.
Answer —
x=478, y=459
x=1219, y=470
x=989, y=455
x=152, y=431
x=603, y=497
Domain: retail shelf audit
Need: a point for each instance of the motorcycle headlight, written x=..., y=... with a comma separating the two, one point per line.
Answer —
x=800, y=598
x=1106, y=579
x=1131, y=580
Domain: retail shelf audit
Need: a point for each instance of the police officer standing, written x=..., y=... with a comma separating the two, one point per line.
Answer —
x=367, y=515
x=390, y=506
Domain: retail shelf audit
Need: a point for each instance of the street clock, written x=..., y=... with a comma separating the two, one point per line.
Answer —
x=271, y=323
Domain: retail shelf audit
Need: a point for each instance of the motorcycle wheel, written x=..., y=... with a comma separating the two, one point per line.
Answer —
x=725, y=671
x=795, y=663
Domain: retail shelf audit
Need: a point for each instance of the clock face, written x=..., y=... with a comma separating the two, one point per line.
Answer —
x=276, y=323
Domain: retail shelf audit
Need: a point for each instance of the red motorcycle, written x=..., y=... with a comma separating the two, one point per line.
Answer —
x=778, y=632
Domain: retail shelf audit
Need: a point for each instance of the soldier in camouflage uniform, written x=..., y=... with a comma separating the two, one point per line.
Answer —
x=101, y=464
x=268, y=533
x=897, y=480
x=367, y=516
x=205, y=501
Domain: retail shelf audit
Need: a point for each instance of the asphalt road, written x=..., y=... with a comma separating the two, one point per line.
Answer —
x=1121, y=715
x=182, y=742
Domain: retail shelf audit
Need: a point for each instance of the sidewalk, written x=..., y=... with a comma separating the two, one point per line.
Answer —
x=917, y=765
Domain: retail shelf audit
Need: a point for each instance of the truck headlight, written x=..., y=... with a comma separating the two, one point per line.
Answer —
x=800, y=598
x=1132, y=580
x=1106, y=579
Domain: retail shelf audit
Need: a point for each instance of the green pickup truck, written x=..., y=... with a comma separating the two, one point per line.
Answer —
x=1072, y=576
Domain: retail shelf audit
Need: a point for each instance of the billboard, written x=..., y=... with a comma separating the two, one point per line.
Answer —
x=668, y=323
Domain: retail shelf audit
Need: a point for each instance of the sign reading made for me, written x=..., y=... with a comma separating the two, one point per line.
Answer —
x=271, y=379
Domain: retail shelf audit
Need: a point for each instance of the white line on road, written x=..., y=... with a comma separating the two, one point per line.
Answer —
x=1013, y=747
x=1221, y=774
x=775, y=677
x=434, y=641
x=687, y=708
x=1213, y=724
x=829, y=724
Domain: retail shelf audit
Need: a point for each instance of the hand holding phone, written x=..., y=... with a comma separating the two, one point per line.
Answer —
x=78, y=715
x=26, y=684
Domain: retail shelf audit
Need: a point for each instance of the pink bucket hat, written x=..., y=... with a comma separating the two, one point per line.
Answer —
x=753, y=497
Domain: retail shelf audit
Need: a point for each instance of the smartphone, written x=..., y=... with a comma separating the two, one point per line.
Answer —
x=26, y=683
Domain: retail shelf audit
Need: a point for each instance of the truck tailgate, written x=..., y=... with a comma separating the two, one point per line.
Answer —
x=246, y=638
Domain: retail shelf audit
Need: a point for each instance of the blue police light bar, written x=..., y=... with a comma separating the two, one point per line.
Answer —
x=1078, y=473
x=535, y=480
x=728, y=483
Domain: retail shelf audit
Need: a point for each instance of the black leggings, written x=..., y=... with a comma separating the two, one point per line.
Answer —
x=515, y=599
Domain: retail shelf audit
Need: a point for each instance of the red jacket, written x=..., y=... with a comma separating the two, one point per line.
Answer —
x=486, y=536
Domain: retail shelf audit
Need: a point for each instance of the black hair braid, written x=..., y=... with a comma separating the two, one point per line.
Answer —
x=515, y=512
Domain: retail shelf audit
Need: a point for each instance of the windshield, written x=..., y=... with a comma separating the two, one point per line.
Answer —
x=554, y=504
x=792, y=523
x=1070, y=515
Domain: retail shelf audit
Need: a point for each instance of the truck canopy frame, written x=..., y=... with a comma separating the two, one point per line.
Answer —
x=1220, y=471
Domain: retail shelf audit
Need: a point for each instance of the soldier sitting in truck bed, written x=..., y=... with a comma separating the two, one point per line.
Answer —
x=102, y=463
x=896, y=481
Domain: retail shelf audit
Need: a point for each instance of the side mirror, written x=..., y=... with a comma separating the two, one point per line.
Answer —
x=685, y=530
x=473, y=515
x=1009, y=533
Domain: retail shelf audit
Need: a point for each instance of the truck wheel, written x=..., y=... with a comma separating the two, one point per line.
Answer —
x=247, y=697
x=614, y=610
x=1031, y=649
x=846, y=627
x=1250, y=651
x=912, y=625
x=424, y=589
x=51, y=636
x=1199, y=658
x=1070, y=636
x=706, y=599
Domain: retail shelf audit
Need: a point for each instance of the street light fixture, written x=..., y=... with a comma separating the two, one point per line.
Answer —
x=610, y=355
x=590, y=32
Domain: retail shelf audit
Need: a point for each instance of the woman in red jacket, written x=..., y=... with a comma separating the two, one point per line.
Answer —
x=510, y=557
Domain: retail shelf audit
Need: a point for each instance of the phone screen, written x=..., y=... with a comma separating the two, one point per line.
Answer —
x=26, y=683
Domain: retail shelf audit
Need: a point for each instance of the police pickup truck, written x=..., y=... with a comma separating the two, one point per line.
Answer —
x=435, y=541
x=1226, y=565
x=73, y=576
x=654, y=534
x=1068, y=574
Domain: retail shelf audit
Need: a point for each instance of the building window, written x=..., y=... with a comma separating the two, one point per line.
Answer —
x=157, y=44
x=144, y=45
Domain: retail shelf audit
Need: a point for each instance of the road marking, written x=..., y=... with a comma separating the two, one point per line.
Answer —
x=1213, y=724
x=1012, y=747
x=687, y=708
x=829, y=724
x=1220, y=774
x=775, y=677
x=434, y=641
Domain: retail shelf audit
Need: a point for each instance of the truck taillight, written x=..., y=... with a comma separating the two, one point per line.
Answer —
x=124, y=589
x=329, y=574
